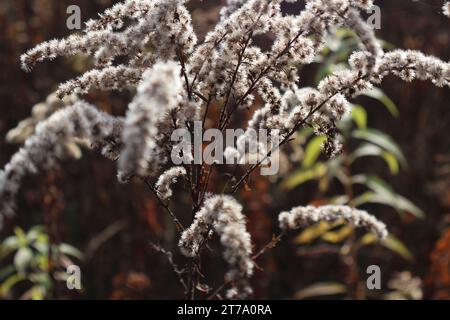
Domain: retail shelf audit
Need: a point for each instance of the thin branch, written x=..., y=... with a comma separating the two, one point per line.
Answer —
x=175, y=268
x=205, y=115
x=164, y=205
x=198, y=94
x=233, y=79
x=205, y=188
x=183, y=69
x=270, y=245
x=217, y=291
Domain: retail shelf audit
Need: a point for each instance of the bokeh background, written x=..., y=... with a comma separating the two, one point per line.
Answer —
x=110, y=227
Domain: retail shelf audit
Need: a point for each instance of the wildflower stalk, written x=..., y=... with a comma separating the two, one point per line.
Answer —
x=179, y=80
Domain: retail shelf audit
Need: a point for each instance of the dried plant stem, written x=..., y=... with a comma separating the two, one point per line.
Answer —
x=174, y=266
x=177, y=222
x=222, y=123
x=270, y=245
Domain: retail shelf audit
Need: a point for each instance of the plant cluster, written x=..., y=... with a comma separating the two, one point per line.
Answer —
x=151, y=46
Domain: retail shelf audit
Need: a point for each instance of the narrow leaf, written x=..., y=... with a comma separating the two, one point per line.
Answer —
x=321, y=289
x=303, y=175
x=379, y=95
x=359, y=115
x=395, y=245
x=313, y=150
x=381, y=139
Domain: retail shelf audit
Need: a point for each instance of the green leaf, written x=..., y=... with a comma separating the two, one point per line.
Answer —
x=313, y=232
x=368, y=239
x=313, y=150
x=339, y=235
x=23, y=258
x=41, y=246
x=71, y=251
x=34, y=233
x=379, y=95
x=391, y=243
x=42, y=278
x=359, y=115
x=366, y=150
x=303, y=175
x=42, y=243
x=373, y=182
x=372, y=150
x=305, y=132
x=36, y=292
x=21, y=237
x=382, y=140
x=339, y=200
x=9, y=283
x=9, y=245
x=382, y=193
x=42, y=262
x=345, y=32
x=395, y=245
x=321, y=289
x=392, y=162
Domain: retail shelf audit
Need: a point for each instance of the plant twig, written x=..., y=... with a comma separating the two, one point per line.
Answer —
x=175, y=268
x=270, y=245
x=165, y=206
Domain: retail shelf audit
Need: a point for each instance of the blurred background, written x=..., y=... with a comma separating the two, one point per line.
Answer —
x=396, y=165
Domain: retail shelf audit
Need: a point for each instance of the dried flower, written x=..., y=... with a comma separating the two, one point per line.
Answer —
x=158, y=94
x=405, y=286
x=165, y=181
x=300, y=217
x=177, y=78
x=109, y=78
x=41, y=112
x=446, y=9
x=46, y=146
x=224, y=215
